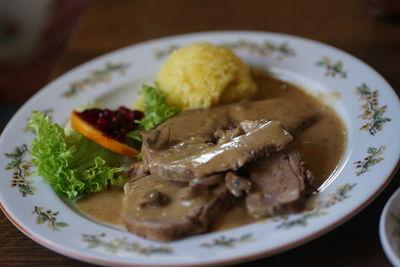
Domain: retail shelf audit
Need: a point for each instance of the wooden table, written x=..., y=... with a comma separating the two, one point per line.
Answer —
x=345, y=24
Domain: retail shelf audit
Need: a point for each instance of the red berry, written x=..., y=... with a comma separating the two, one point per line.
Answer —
x=138, y=115
x=115, y=124
x=130, y=115
x=102, y=124
x=116, y=120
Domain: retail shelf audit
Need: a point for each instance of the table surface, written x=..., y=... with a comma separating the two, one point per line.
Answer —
x=348, y=25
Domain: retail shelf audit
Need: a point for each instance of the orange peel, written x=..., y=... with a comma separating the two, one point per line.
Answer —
x=97, y=136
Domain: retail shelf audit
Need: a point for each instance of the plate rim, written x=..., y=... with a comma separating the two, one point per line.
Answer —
x=393, y=257
x=330, y=226
x=283, y=248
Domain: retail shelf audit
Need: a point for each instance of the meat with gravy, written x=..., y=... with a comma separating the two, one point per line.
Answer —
x=244, y=143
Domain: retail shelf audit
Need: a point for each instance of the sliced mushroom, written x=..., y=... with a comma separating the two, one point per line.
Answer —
x=225, y=134
x=154, y=198
x=157, y=139
x=138, y=170
x=200, y=186
x=237, y=185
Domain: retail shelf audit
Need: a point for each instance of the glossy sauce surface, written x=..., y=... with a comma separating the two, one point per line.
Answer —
x=322, y=144
x=321, y=147
x=104, y=206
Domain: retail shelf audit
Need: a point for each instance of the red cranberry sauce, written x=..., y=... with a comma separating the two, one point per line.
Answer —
x=114, y=123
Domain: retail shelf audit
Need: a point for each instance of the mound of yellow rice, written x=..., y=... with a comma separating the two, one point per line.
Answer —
x=203, y=75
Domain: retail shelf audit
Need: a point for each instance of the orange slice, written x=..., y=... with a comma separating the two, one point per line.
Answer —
x=99, y=137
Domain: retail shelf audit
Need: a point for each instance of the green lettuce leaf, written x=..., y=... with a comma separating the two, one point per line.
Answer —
x=73, y=165
x=156, y=111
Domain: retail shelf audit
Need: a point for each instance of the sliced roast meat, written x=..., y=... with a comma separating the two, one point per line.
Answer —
x=293, y=116
x=175, y=218
x=226, y=134
x=280, y=184
x=237, y=185
x=137, y=170
x=187, y=161
x=202, y=185
x=200, y=124
x=157, y=139
x=197, y=125
x=159, y=160
x=192, y=136
x=153, y=198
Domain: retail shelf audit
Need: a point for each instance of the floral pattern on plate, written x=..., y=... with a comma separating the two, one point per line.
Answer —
x=21, y=168
x=283, y=49
x=319, y=208
x=332, y=68
x=373, y=157
x=263, y=49
x=95, y=77
x=47, y=216
x=373, y=113
x=223, y=241
x=121, y=244
x=337, y=201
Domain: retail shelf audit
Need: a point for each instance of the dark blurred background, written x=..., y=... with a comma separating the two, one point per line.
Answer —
x=33, y=35
x=41, y=39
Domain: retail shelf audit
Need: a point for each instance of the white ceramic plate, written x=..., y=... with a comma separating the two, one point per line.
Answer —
x=389, y=228
x=364, y=100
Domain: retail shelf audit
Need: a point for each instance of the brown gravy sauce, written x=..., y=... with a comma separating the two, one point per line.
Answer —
x=105, y=206
x=321, y=147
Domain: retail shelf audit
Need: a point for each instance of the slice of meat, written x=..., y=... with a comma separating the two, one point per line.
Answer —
x=153, y=198
x=157, y=139
x=224, y=134
x=195, y=131
x=186, y=161
x=202, y=185
x=280, y=185
x=293, y=116
x=200, y=124
x=175, y=218
x=197, y=124
x=237, y=185
x=136, y=170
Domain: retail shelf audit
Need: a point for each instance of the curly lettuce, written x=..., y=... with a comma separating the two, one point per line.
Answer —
x=72, y=164
x=156, y=111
